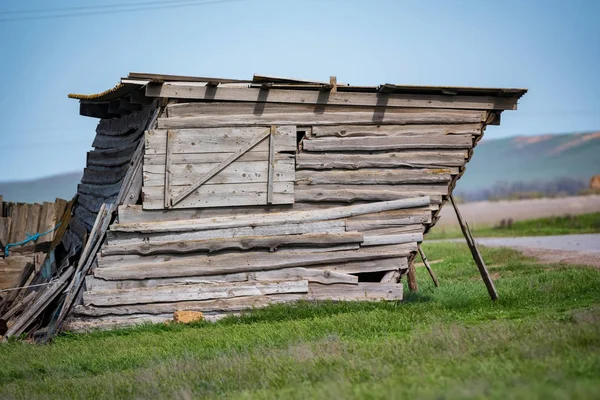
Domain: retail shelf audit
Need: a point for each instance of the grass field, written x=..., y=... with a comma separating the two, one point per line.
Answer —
x=540, y=340
x=565, y=225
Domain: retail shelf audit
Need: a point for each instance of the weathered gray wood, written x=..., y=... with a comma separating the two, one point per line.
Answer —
x=41, y=302
x=436, y=283
x=314, y=97
x=272, y=219
x=387, y=264
x=201, y=158
x=363, y=291
x=219, y=140
x=168, y=171
x=394, y=130
x=135, y=213
x=236, y=262
x=135, y=189
x=418, y=228
x=241, y=243
x=47, y=221
x=18, y=218
x=351, y=193
x=213, y=305
x=423, y=218
x=236, y=172
x=378, y=240
x=391, y=277
x=485, y=275
x=436, y=142
x=369, y=176
x=385, y=116
x=223, y=195
x=271, y=167
x=130, y=238
x=409, y=159
x=174, y=293
x=392, y=214
x=4, y=230
x=219, y=167
x=33, y=218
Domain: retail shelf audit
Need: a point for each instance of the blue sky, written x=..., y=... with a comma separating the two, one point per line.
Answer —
x=550, y=47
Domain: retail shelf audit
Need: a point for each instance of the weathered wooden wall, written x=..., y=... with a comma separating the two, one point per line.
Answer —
x=236, y=253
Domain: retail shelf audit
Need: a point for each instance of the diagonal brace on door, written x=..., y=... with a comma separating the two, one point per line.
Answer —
x=218, y=168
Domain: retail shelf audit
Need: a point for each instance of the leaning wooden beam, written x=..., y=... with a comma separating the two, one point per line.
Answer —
x=240, y=243
x=315, y=97
x=426, y=263
x=271, y=219
x=487, y=280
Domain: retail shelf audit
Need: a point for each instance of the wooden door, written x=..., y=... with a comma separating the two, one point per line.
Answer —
x=218, y=167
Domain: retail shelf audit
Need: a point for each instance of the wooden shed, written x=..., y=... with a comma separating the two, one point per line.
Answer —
x=233, y=194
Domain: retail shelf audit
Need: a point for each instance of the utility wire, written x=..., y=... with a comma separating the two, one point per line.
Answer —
x=172, y=5
x=96, y=7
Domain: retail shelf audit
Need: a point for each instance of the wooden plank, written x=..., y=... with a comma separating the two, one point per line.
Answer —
x=168, y=170
x=363, y=291
x=417, y=228
x=351, y=193
x=4, y=231
x=272, y=219
x=214, y=305
x=391, y=277
x=485, y=275
x=395, y=130
x=19, y=222
x=424, y=217
x=435, y=142
x=241, y=243
x=235, y=262
x=411, y=276
x=135, y=189
x=436, y=283
x=378, y=240
x=201, y=158
x=135, y=213
x=314, y=97
x=47, y=221
x=192, y=292
x=380, y=265
x=33, y=218
x=218, y=140
x=413, y=159
x=271, y=165
x=60, y=206
x=400, y=116
x=223, y=195
x=237, y=172
x=11, y=269
x=323, y=276
x=370, y=176
x=127, y=238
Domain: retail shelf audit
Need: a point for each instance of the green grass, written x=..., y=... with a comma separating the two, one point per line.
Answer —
x=565, y=225
x=540, y=340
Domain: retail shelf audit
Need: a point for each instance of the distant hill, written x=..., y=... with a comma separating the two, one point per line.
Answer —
x=42, y=189
x=533, y=161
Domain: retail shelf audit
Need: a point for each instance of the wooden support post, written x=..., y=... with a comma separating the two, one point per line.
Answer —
x=271, y=167
x=431, y=273
x=169, y=149
x=475, y=252
x=412, y=276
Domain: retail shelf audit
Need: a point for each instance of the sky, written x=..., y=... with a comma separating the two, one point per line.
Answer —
x=550, y=47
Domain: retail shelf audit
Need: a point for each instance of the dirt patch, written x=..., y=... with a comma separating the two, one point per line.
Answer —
x=562, y=257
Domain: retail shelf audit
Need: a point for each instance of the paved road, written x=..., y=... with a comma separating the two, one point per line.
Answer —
x=589, y=243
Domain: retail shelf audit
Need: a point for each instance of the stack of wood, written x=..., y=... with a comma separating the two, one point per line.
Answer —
x=17, y=222
x=148, y=270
